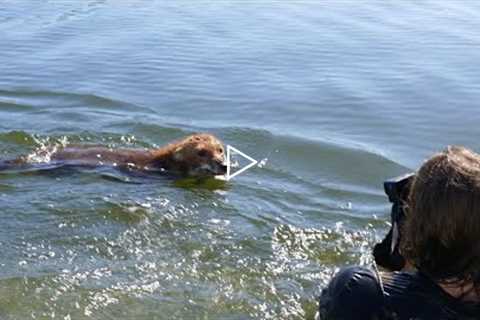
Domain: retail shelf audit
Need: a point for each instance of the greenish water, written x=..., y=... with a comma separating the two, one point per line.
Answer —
x=334, y=96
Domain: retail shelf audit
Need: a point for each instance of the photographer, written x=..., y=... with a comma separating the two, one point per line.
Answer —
x=440, y=238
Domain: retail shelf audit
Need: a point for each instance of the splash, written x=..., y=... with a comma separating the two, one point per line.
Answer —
x=46, y=147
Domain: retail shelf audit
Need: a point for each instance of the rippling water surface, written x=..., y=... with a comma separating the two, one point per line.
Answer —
x=334, y=96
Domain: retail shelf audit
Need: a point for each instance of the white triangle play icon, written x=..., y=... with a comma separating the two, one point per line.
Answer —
x=230, y=175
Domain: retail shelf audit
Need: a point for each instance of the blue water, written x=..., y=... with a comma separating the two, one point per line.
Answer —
x=334, y=96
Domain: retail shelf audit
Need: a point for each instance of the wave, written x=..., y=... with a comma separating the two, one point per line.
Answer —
x=27, y=98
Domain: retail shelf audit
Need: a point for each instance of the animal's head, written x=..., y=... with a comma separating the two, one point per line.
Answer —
x=200, y=155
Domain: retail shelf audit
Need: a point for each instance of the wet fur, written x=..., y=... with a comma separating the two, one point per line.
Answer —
x=196, y=155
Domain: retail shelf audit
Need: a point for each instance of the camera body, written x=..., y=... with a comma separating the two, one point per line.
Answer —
x=387, y=253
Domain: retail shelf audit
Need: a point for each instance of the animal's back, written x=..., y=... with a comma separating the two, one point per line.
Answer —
x=82, y=156
x=100, y=156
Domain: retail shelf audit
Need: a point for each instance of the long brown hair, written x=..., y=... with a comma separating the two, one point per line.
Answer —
x=442, y=230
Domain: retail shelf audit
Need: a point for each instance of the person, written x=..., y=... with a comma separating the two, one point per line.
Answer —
x=440, y=240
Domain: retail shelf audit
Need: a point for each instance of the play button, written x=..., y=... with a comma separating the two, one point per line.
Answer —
x=232, y=165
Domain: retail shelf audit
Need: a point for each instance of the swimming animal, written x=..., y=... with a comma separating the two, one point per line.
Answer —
x=196, y=155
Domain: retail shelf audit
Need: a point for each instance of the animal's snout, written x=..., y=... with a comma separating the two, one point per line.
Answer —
x=223, y=168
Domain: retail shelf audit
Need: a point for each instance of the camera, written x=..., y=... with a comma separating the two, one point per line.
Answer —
x=386, y=253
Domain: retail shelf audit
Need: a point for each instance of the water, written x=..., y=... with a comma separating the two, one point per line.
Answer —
x=335, y=96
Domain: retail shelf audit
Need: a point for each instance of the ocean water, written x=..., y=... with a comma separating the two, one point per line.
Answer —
x=333, y=96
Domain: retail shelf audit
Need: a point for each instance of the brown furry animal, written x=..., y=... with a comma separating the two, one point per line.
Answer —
x=196, y=155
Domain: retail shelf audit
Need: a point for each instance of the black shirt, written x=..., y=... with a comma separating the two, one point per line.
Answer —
x=361, y=294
